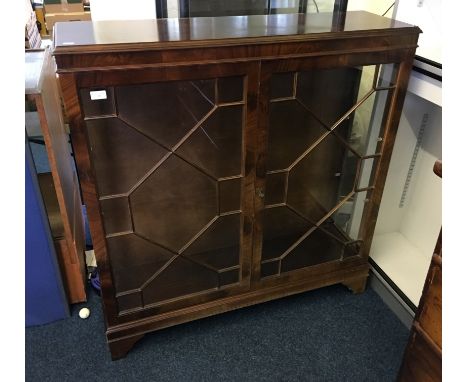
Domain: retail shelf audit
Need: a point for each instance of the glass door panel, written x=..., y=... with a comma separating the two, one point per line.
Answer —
x=324, y=140
x=169, y=167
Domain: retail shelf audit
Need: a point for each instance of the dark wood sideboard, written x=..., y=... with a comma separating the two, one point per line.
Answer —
x=59, y=187
x=229, y=161
x=422, y=361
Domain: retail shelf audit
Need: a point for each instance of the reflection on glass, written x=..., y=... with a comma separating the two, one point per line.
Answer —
x=348, y=216
x=363, y=128
x=387, y=75
x=218, y=138
x=176, y=106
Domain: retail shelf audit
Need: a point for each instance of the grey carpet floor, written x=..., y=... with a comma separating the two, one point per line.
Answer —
x=323, y=335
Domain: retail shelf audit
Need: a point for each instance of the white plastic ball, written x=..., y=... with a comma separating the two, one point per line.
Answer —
x=84, y=313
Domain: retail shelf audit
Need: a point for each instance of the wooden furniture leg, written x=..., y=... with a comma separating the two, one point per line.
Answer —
x=120, y=347
x=356, y=285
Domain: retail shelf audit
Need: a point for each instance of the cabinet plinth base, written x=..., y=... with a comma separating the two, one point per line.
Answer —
x=120, y=347
x=121, y=338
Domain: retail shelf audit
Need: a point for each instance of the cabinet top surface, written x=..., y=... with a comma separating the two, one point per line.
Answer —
x=81, y=36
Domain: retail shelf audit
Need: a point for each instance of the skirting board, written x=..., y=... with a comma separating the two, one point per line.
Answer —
x=391, y=298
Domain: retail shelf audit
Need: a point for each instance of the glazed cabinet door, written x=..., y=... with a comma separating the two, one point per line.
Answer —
x=167, y=156
x=322, y=139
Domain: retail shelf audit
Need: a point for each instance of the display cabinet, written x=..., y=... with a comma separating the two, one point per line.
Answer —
x=230, y=161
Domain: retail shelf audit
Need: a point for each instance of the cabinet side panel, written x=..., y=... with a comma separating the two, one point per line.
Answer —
x=65, y=180
x=421, y=363
x=395, y=103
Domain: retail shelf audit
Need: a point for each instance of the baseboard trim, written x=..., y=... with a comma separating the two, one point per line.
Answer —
x=391, y=298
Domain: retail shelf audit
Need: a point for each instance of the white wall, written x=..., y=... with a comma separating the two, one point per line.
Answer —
x=390, y=215
x=172, y=8
x=323, y=6
x=421, y=217
x=123, y=10
x=374, y=6
x=427, y=14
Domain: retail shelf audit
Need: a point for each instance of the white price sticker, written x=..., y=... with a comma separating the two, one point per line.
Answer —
x=98, y=94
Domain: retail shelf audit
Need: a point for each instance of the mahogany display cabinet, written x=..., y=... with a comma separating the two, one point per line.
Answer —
x=229, y=161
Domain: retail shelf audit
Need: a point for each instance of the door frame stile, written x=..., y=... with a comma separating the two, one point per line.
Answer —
x=71, y=102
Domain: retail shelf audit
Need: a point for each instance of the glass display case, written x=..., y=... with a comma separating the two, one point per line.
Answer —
x=225, y=163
